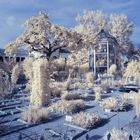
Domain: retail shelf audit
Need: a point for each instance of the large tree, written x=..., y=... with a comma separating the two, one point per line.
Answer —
x=43, y=36
x=90, y=24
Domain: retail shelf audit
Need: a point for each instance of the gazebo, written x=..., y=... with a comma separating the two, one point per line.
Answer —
x=103, y=54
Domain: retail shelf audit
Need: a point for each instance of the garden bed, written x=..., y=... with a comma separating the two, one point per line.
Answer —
x=84, y=120
x=67, y=107
x=115, y=105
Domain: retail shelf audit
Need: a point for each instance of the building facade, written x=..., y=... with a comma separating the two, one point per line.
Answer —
x=18, y=56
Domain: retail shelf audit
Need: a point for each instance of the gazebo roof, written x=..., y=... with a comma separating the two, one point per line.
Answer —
x=104, y=35
x=63, y=50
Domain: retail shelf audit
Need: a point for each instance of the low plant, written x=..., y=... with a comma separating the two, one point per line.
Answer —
x=116, y=134
x=4, y=84
x=86, y=120
x=131, y=96
x=55, y=92
x=109, y=103
x=35, y=115
x=17, y=72
x=112, y=69
x=105, y=85
x=137, y=104
x=68, y=82
x=89, y=77
x=67, y=107
x=115, y=104
x=70, y=96
x=98, y=91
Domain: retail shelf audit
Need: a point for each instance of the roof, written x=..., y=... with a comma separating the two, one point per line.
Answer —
x=22, y=53
x=62, y=50
x=105, y=35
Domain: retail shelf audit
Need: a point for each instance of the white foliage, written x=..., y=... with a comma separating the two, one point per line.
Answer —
x=121, y=28
x=137, y=104
x=40, y=95
x=90, y=24
x=16, y=71
x=133, y=70
x=115, y=104
x=86, y=120
x=112, y=69
x=78, y=58
x=4, y=83
x=67, y=107
x=98, y=91
x=43, y=36
x=117, y=135
x=35, y=115
x=89, y=77
x=27, y=67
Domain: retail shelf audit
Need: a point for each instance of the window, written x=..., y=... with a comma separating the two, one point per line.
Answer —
x=1, y=58
x=17, y=59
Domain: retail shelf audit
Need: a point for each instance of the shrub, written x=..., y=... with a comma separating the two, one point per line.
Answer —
x=4, y=83
x=69, y=81
x=127, y=96
x=56, y=92
x=82, y=85
x=105, y=84
x=117, y=135
x=133, y=71
x=89, y=77
x=40, y=95
x=35, y=115
x=84, y=68
x=109, y=103
x=70, y=96
x=27, y=65
x=137, y=104
x=98, y=91
x=112, y=69
x=67, y=107
x=119, y=83
x=115, y=104
x=17, y=71
x=86, y=120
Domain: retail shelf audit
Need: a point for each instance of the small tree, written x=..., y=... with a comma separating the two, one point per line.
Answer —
x=4, y=83
x=98, y=91
x=69, y=80
x=28, y=71
x=17, y=71
x=133, y=71
x=40, y=86
x=112, y=69
x=89, y=77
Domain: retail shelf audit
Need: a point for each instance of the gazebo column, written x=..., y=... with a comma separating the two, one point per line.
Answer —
x=94, y=63
x=114, y=54
x=107, y=57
